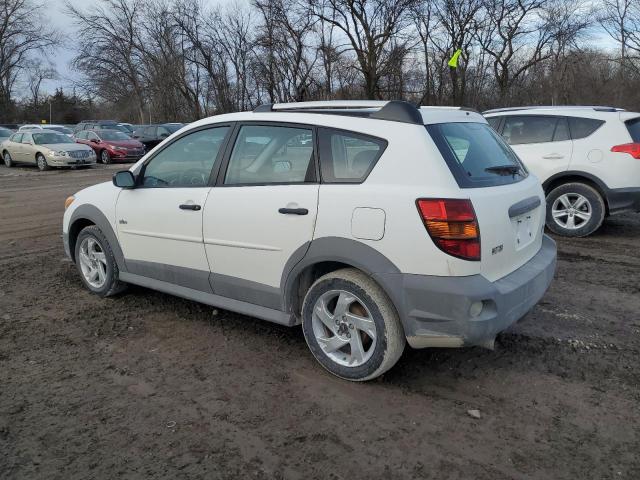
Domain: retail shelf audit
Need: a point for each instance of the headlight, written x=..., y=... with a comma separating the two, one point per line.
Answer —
x=60, y=153
x=69, y=201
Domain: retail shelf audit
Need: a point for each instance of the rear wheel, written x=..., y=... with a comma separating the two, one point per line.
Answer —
x=42, y=162
x=575, y=210
x=8, y=161
x=351, y=326
x=105, y=157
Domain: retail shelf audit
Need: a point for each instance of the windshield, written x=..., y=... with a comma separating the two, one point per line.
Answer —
x=4, y=133
x=113, y=135
x=64, y=130
x=634, y=129
x=48, y=138
x=476, y=155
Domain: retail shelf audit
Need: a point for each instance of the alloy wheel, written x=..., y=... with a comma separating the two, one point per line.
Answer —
x=571, y=211
x=93, y=262
x=344, y=328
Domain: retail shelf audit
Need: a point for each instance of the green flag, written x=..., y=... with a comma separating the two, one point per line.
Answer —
x=453, y=63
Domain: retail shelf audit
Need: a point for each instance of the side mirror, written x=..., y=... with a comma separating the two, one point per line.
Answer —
x=95, y=140
x=124, y=179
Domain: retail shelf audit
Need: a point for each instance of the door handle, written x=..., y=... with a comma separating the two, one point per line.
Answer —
x=190, y=206
x=293, y=211
x=553, y=156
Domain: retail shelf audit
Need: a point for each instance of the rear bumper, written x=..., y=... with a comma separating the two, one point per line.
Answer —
x=435, y=311
x=623, y=200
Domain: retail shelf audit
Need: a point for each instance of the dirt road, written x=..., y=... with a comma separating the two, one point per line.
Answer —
x=147, y=385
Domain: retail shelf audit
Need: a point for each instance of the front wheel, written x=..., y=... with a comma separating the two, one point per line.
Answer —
x=42, y=163
x=96, y=263
x=105, y=157
x=8, y=161
x=351, y=326
x=575, y=210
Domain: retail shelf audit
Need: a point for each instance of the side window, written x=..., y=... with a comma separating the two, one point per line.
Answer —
x=347, y=157
x=529, y=129
x=583, y=127
x=494, y=122
x=91, y=136
x=26, y=138
x=268, y=154
x=187, y=162
x=562, y=130
x=17, y=138
x=163, y=132
x=81, y=136
x=149, y=132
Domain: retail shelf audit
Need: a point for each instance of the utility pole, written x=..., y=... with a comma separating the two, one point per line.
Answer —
x=50, y=115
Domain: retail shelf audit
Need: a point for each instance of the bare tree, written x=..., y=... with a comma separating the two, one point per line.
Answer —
x=516, y=37
x=369, y=26
x=23, y=34
x=37, y=72
x=109, y=53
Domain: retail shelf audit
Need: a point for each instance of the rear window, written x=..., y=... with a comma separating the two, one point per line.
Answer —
x=583, y=127
x=476, y=155
x=634, y=129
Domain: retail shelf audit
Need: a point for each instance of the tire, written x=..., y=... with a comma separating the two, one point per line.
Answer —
x=575, y=210
x=107, y=283
x=105, y=157
x=42, y=163
x=8, y=161
x=370, y=306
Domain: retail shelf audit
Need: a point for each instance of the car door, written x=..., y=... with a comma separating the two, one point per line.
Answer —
x=160, y=220
x=27, y=149
x=15, y=147
x=542, y=142
x=262, y=212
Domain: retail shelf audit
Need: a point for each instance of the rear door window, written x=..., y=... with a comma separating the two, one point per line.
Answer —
x=265, y=154
x=495, y=123
x=347, y=157
x=476, y=155
x=634, y=129
x=523, y=129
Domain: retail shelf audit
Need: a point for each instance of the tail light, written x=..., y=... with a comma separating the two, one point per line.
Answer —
x=632, y=149
x=452, y=225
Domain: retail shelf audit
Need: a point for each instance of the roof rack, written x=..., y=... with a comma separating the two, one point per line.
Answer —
x=392, y=110
x=597, y=108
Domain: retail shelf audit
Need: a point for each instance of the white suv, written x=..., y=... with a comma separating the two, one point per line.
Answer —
x=370, y=223
x=587, y=159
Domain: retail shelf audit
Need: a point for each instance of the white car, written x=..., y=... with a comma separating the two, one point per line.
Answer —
x=587, y=158
x=56, y=128
x=394, y=224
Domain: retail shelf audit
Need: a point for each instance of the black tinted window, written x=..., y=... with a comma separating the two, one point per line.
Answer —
x=494, y=122
x=476, y=155
x=583, y=127
x=347, y=157
x=562, y=130
x=187, y=162
x=529, y=129
x=634, y=129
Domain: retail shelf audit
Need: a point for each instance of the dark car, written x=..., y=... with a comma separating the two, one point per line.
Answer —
x=99, y=125
x=152, y=135
x=111, y=145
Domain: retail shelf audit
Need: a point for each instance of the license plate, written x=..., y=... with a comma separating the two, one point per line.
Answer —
x=524, y=230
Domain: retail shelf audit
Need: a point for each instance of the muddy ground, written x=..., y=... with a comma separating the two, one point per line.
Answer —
x=147, y=385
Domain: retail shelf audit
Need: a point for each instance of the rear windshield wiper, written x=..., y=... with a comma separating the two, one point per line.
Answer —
x=504, y=169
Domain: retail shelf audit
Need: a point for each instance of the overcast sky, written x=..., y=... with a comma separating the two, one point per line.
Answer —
x=64, y=54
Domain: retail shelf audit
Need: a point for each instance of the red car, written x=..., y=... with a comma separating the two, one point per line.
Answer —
x=111, y=145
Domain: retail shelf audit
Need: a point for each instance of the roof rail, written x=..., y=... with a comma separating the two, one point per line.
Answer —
x=597, y=108
x=392, y=110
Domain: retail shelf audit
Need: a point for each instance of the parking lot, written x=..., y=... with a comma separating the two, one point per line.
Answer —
x=148, y=384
